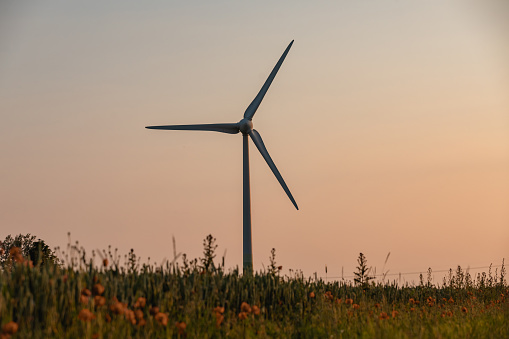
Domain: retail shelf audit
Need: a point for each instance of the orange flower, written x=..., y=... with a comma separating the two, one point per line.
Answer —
x=181, y=327
x=383, y=316
x=449, y=313
x=99, y=301
x=86, y=315
x=219, y=309
x=139, y=314
x=349, y=301
x=129, y=315
x=154, y=310
x=377, y=305
x=394, y=314
x=219, y=319
x=464, y=309
x=312, y=294
x=161, y=318
x=98, y=289
x=412, y=309
x=107, y=317
x=86, y=292
x=411, y=301
x=140, y=302
x=244, y=307
x=10, y=328
x=117, y=307
x=329, y=296
x=355, y=306
x=242, y=315
x=451, y=300
x=256, y=310
x=84, y=299
x=142, y=322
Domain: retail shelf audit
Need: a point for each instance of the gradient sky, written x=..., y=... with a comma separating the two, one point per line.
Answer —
x=389, y=121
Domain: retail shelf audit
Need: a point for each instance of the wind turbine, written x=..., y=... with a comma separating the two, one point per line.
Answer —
x=245, y=126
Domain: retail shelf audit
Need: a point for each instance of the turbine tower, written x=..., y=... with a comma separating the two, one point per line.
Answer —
x=245, y=126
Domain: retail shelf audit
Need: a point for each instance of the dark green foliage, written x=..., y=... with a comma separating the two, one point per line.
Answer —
x=362, y=276
x=46, y=302
x=34, y=250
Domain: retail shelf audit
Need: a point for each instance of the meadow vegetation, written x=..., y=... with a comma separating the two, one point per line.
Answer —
x=199, y=298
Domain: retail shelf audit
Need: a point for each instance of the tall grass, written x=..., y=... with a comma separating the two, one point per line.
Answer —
x=194, y=300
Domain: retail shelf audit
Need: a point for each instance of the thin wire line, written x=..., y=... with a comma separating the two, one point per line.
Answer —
x=409, y=273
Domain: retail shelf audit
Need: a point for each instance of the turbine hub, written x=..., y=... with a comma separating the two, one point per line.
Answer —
x=245, y=126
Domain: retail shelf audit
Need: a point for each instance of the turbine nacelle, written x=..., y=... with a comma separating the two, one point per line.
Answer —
x=245, y=126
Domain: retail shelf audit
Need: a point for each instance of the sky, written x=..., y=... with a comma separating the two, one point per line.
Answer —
x=389, y=121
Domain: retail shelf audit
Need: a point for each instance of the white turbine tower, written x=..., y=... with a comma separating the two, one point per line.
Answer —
x=245, y=126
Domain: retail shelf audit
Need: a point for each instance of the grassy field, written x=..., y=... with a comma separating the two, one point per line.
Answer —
x=198, y=299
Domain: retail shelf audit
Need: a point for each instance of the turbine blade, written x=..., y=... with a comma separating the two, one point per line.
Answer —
x=257, y=139
x=223, y=128
x=251, y=109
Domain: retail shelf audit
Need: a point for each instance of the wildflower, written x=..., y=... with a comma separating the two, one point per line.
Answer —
x=219, y=319
x=139, y=314
x=349, y=301
x=329, y=296
x=161, y=318
x=86, y=292
x=383, y=316
x=338, y=301
x=140, y=302
x=99, y=301
x=83, y=299
x=464, y=309
x=412, y=309
x=105, y=262
x=107, y=317
x=142, y=322
x=312, y=295
x=256, y=310
x=86, y=315
x=219, y=310
x=181, y=327
x=449, y=313
x=411, y=301
x=129, y=315
x=355, y=306
x=154, y=310
x=117, y=307
x=244, y=307
x=394, y=314
x=451, y=300
x=242, y=315
x=377, y=305
x=98, y=289
x=10, y=328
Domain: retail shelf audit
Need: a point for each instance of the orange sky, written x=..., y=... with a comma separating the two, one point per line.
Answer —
x=388, y=121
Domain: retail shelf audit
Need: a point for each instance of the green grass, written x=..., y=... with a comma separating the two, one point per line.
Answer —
x=45, y=302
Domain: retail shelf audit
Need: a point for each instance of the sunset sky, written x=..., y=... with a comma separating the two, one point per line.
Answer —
x=389, y=121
